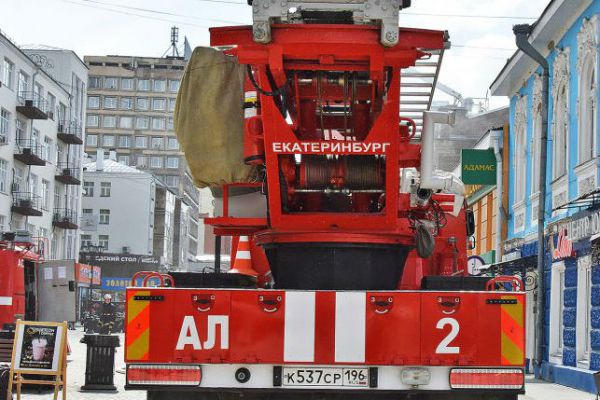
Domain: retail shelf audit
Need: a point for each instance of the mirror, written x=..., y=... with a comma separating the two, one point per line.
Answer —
x=470, y=220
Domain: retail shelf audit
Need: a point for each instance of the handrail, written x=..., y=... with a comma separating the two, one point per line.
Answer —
x=515, y=283
x=152, y=274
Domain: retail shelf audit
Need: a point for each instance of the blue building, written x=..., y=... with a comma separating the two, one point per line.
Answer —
x=568, y=35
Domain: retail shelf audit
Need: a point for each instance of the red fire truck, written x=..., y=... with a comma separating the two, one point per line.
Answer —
x=363, y=289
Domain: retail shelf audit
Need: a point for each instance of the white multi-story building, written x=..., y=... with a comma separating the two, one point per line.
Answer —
x=42, y=106
x=127, y=211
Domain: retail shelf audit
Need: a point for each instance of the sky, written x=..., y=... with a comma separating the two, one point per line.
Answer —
x=480, y=30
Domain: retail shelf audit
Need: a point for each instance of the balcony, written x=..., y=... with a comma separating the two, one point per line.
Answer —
x=70, y=132
x=64, y=218
x=29, y=152
x=67, y=173
x=32, y=105
x=26, y=203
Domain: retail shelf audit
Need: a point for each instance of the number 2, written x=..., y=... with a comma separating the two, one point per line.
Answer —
x=443, y=347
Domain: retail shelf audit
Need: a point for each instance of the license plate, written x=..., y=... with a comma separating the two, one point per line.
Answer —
x=309, y=376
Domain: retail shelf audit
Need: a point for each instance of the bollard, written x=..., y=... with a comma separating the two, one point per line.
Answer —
x=100, y=362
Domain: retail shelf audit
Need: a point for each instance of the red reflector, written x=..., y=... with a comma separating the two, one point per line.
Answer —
x=185, y=375
x=476, y=378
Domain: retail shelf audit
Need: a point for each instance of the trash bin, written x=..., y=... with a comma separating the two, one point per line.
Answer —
x=100, y=362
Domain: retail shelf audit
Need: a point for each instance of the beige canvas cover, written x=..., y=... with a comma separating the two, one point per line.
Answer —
x=209, y=118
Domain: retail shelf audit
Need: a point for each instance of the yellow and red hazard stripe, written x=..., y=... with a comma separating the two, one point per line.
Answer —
x=138, y=326
x=512, y=323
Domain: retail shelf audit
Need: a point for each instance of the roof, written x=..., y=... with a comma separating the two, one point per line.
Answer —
x=550, y=27
x=113, y=167
x=26, y=57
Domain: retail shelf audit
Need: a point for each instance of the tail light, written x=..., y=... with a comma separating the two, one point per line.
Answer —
x=174, y=375
x=486, y=378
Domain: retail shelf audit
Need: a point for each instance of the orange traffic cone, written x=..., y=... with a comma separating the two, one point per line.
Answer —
x=243, y=262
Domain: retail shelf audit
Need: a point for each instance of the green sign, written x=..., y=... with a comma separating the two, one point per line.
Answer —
x=478, y=167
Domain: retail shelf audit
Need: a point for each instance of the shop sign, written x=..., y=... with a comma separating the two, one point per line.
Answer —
x=84, y=273
x=96, y=273
x=119, y=258
x=478, y=167
x=563, y=247
x=119, y=284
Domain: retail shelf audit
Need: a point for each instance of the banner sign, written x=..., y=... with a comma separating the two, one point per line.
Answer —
x=478, y=167
x=120, y=284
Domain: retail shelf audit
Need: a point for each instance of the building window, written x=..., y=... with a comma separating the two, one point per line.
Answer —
x=47, y=148
x=557, y=309
x=4, y=125
x=103, y=241
x=87, y=211
x=3, y=176
x=156, y=162
x=174, y=85
x=170, y=125
x=45, y=194
x=588, y=118
x=126, y=103
x=88, y=189
x=172, y=181
x=141, y=142
x=157, y=143
x=104, y=217
x=109, y=121
x=143, y=85
x=19, y=129
x=160, y=85
x=94, y=82
x=86, y=241
x=142, y=122
x=105, y=189
x=92, y=121
x=584, y=311
x=141, y=161
x=126, y=83
x=93, y=102
x=91, y=140
x=23, y=84
x=143, y=104
x=111, y=83
x=51, y=105
x=560, y=127
x=158, y=123
x=108, y=140
x=159, y=104
x=172, y=162
x=123, y=159
x=172, y=104
x=57, y=198
x=124, y=141
x=8, y=74
x=126, y=122
x=173, y=144
x=110, y=102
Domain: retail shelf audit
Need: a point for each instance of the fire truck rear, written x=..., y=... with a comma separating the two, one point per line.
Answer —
x=361, y=288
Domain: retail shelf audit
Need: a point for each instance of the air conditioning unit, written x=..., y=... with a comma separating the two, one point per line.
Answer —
x=25, y=203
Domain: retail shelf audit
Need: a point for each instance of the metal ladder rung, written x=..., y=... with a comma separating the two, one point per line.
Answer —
x=415, y=94
x=414, y=102
x=416, y=84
